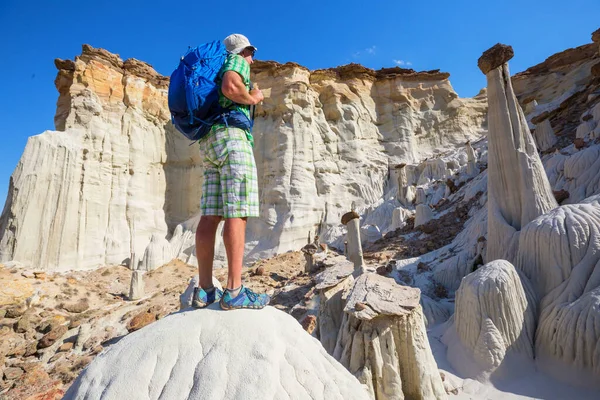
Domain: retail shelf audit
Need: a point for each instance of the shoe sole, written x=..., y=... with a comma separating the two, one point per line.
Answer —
x=229, y=308
x=198, y=304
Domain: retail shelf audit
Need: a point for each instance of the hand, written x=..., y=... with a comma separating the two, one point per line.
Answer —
x=257, y=95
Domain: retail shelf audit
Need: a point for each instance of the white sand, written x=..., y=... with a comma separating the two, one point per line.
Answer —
x=532, y=385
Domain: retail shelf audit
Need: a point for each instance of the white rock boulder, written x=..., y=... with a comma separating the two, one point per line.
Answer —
x=213, y=354
x=158, y=253
x=494, y=319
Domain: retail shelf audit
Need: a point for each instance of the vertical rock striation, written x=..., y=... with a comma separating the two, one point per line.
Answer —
x=494, y=319
x=518, y=189
x=114, y=162
x=322, y=137
x=383, y=341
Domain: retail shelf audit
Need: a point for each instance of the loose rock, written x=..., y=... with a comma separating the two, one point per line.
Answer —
x=140, y=321
x=12, y=373
x=78, y=307
x=309, y=323
x=51, y=337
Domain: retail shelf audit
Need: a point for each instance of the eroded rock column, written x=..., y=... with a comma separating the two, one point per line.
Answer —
x=518, y=188
x=354, y=248
x=383, y=341
x=544, y=135
x=136, y=289
x=471, y=160
x=331, y=287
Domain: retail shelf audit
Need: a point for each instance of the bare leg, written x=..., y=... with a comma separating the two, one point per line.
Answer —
x=234, y=236
x=205, y=248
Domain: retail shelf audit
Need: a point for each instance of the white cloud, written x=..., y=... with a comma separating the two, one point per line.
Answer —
x=402, y=63
x=368, y=50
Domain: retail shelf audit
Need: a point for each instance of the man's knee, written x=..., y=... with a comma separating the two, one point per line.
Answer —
x=208, y=223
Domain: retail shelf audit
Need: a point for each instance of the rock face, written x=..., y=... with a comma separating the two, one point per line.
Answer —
x=494, y=319
x=77, y=191
x=383, y=341
x=196, y=354
x=518, y=189
x=116, y=162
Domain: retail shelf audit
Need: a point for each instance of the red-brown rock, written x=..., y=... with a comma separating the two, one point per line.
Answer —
x=140, y=321
x=596, y=69
x=494, y=57
x=579, y=143
x=596, y=36
x=51, y=337
x=309, y=323
x=560, y=195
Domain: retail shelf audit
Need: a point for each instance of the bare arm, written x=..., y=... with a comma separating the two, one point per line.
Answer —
x=234, y=89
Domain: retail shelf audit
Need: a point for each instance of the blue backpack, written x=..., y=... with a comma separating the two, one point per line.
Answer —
x=194, y=95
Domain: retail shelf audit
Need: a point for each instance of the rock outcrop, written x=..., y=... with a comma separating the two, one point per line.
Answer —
x=557, y=249
x=331, y=285
x=383, y=341
x=560, y=253
x=196, y=354
x=472, y=169
x=494, y=320
x=518, y=189
x=115, y=161
x=158, y=252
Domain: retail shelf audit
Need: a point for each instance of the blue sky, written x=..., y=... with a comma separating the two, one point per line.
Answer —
x=446, y=35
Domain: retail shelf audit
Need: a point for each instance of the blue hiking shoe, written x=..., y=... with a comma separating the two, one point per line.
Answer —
x=245, y=299
x=202, y=299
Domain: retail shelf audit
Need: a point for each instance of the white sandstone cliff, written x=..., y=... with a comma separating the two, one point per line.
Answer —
x=323, y=140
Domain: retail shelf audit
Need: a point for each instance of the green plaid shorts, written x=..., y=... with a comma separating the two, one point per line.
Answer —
x=230, y=187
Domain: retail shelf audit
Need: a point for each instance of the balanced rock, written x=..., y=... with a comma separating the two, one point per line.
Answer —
x=494, y=57
x=196, y=354
x=518, y=188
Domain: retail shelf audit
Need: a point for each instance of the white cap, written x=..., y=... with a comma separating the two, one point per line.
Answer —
x=236, y=43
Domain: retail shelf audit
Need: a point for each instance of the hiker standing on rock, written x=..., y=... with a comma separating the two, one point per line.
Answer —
x=230, y=189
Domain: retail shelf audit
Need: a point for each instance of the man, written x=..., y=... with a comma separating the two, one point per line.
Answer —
x=230, y=189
